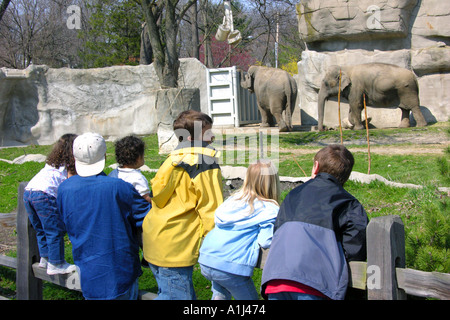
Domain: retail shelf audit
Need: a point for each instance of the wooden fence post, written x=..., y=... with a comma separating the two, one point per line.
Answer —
x=28, y=287
x=385, y=252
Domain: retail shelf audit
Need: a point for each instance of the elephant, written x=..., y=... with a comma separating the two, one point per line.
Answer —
x=276, y=94
x=384, y=85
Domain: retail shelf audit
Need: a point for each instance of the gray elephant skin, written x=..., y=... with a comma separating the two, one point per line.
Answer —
x=276, y=94
x=384, y=85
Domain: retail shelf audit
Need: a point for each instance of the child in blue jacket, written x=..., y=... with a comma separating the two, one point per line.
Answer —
x=243, y=224
x=320, y=226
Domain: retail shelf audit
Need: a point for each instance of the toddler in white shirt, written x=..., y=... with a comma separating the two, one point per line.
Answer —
x=130, y=156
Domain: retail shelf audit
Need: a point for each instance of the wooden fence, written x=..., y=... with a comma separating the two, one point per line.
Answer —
x=383, y=276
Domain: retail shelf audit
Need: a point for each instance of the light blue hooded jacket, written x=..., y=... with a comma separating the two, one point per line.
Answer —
x=233, y=245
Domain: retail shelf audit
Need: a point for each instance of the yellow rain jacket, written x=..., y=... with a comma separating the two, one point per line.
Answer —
x=186, y=191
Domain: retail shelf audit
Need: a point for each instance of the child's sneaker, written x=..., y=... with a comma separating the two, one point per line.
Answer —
x=60, y=268
x=43, y=263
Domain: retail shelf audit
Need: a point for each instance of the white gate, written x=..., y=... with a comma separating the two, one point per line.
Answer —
x=228, y=103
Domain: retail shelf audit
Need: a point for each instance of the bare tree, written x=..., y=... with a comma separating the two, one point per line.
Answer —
x=163, y=18
x=194, y=28
x=3, y=7
x=197, y=29
x=35, y=31
x=207, y=31
x=273, y=21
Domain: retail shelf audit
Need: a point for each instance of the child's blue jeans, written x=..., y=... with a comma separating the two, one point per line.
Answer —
x=46, y=221
x=224, y=285
x=132, y=293
x=174, y=283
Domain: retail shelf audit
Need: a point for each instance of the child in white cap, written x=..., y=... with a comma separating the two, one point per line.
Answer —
x=102, y=216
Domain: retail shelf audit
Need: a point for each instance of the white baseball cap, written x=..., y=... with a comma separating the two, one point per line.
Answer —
x=89, y=150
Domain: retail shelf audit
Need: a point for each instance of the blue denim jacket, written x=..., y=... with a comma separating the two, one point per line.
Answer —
x=102, y=216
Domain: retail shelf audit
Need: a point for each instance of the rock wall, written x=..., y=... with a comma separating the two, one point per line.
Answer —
x=39, y=104
x=414, y=34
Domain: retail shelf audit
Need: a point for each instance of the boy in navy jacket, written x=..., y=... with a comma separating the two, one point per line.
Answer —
x=319, y=227
x=102, y=217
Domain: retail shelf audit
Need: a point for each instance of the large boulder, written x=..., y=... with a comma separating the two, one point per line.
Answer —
x=321, y=20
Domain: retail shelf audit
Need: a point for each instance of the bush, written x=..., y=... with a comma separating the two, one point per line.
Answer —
x=427, y=244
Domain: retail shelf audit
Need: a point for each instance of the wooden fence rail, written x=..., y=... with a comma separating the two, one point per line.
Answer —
x=383, y=276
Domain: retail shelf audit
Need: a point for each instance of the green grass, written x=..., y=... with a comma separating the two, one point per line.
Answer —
x=425, y=212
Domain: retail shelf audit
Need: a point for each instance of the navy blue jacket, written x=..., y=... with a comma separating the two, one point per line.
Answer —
x=319, y=227
x=102, y=217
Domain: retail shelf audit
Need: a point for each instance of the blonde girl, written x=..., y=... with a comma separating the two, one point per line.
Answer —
x=243, y=224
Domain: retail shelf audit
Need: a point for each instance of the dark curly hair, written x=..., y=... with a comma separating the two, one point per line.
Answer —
x=62, y=153
x=128, y=150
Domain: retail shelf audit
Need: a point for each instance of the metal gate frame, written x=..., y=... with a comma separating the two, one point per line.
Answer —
x=228, y=103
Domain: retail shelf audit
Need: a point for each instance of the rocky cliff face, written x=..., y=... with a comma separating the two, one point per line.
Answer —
x=39, y=104
x=414, y=34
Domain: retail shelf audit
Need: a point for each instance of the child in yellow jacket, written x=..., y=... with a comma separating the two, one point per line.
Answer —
x=186, y=191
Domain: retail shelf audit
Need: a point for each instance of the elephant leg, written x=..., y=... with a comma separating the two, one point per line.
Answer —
x=355, y=100
x=287, y=116
x=418, y=116
x=285, y=119
x=277, y=110
x=404, y=123
x=282, y=126
x=410, y=102
x=265, y=121
x=271, y=119
x=354, y=117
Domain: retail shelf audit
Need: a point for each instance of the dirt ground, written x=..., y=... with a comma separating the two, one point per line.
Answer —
x=419, y=142
x=8, y=237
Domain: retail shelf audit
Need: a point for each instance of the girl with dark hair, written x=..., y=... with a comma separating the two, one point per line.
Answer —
x=40, y=202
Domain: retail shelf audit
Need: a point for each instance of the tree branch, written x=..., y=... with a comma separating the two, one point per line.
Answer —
x=3, y=7
x=184, y=10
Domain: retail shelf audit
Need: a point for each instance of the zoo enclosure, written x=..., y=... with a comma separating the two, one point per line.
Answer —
x=383, y=276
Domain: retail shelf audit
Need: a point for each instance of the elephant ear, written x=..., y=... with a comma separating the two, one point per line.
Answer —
x=252, y=70
x=251, y=74
x=345, y=80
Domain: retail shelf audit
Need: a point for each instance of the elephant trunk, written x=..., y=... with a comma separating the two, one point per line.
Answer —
x=242, y=75
x=321, y=107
